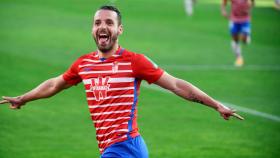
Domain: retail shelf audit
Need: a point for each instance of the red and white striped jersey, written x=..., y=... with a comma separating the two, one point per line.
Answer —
x=112, y=89
x=240, y=10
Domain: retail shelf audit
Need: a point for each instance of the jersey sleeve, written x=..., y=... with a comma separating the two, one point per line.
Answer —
x=71, y=76
x=146, y=69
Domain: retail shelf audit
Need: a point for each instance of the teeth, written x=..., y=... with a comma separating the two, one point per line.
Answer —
x=103, y=36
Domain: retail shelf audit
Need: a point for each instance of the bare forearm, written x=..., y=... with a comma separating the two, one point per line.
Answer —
x=46, y=89
x=188, y=91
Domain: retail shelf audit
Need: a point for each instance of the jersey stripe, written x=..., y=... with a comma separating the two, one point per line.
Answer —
x=113, y=80
x=103, y=72
x=104, y=64
x=112, y=126
x=112, y=116
x=109, y=105
x=114, y=131
x=112, y=140
x=93, y=61
x=110, y=120
x=111, y=112
x=111, y=97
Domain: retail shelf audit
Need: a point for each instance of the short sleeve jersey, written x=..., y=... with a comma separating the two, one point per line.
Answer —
x=112, y=89
x=240, y=11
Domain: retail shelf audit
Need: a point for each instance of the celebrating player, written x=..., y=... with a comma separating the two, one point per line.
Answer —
x=111, y=77
x=239, y=25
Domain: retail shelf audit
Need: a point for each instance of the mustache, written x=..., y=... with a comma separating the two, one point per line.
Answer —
x=103, y=31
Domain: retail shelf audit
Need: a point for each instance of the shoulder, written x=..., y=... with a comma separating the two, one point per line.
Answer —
x=132, y=55
x=85, y=56
x=128, y=53
x=82, y=58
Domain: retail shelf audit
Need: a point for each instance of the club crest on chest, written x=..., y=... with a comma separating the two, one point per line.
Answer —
x=115, y=67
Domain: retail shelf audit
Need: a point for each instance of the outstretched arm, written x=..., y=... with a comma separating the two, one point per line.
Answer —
x=46, y=89
x=188, y=91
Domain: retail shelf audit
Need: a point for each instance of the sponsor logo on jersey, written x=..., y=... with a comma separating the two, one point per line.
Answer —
x=99, y=87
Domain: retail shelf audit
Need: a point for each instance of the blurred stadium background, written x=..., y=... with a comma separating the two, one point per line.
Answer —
x=39, y=39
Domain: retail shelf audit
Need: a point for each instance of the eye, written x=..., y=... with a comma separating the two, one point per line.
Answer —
x=110, y=22
x=97, y=22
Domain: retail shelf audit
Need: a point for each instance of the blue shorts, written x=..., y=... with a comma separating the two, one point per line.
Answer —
x=131, y=148
x=240, y=28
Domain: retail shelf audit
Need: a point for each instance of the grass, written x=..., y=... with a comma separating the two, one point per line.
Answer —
x=40, y=39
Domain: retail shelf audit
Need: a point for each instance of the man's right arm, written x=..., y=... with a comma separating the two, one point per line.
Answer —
x=46, y=89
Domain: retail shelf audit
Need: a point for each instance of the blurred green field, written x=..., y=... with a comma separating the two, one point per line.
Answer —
x=40, y=39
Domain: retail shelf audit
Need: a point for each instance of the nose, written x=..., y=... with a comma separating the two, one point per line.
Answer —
x=103, y=25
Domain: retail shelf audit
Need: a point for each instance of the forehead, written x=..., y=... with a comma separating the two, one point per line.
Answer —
x=105, y=14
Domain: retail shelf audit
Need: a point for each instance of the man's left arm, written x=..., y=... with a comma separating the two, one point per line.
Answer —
x=188, y=91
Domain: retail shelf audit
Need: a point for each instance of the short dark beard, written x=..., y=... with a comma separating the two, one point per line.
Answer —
x=105, y=50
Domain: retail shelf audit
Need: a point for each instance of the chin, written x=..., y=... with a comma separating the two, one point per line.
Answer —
x=105, y=50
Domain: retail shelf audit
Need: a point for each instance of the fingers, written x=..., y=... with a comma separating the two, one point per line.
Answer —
x=7, y=98
x=227, y=116
x=237, y=116
x=234, y=114
x=12, y=101
x=4, y=101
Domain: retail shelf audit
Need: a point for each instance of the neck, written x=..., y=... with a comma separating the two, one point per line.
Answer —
x=109, y=53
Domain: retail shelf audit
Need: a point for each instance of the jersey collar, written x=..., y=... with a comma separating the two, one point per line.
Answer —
x=119, y=52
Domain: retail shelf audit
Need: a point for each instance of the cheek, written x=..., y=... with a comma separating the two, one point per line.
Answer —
x=115, y=31
x=93, y=31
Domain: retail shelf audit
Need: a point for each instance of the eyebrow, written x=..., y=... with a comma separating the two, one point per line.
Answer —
x=104, y=20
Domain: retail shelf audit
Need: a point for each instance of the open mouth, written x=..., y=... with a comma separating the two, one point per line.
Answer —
x=103, y=38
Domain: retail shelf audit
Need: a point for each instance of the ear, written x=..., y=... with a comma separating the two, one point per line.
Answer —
x=120, y=29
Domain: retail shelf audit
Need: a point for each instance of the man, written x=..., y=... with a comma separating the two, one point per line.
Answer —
x=112, y=77
x=239, y=25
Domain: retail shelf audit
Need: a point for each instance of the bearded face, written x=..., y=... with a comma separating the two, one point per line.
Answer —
x=106, y=30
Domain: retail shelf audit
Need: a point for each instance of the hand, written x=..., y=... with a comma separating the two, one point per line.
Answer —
x=16, y=102
x=227, y=112
x=225, y=14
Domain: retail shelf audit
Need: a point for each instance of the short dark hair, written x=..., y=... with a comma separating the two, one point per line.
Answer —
x=114, y=9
